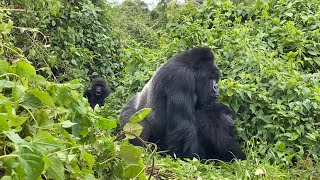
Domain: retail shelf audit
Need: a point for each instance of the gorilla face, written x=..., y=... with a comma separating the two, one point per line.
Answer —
x=98, y=92
x=97, y=89
x=207, y=89
x=98, y=86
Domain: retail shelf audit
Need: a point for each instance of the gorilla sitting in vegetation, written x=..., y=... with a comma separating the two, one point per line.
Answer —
x=98, y=92
x=216, y=133
x=187, y=80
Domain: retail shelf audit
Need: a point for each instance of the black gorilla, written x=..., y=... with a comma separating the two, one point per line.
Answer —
x=188, y=80
x=216, y=133
x=98, y=92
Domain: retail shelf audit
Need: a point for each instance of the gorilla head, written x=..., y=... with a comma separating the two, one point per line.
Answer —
x=188, y=80
x=98, y=92
x=216, y=133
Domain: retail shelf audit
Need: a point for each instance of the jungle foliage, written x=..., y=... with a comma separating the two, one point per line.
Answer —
x=268, y=51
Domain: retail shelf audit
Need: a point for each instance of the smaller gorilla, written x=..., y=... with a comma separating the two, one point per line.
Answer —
x=98, y=92
x=216, y=134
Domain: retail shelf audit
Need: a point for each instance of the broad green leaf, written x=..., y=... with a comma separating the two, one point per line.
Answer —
x=15, y=120
x=132, y=129
x=17, y=91
x=132, y=171
x=6, y=84
x=56, y=169
x=6, y=178
x=4, y=67
x=130, y=154
x=67, y=124
x=105, y=124
x=90, y=159
x=31, y=161
x=45, y=142
x=140, y=115
x=42, y=118
x=25, y=69
x=4, y=122
x=89, y=177
x=43, y=96
x=15, y=137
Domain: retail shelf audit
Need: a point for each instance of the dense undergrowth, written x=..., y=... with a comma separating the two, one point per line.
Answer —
x=268, y=52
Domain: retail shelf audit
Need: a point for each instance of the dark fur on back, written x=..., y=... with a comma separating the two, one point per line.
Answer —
x=216, y=133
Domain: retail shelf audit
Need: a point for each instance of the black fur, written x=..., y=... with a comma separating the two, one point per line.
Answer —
x=98, y=92
x=188, y=80
x=216, y=133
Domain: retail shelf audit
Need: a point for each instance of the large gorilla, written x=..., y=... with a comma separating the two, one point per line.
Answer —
x=216, y=133
x=188, y=80
x=97, y=93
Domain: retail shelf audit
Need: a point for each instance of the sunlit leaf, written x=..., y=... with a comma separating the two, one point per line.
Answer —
x=43, y=96
x=140, y=115
x=25, y=69
x=130, y=154
x=132, y=130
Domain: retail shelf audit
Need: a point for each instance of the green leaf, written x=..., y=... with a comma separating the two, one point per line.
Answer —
x=24, y=69
x=132, y=171
x=4, y=122
x=90, y=159
x=16, y=120
x=106, y=124
x=67, y=124
x=56, y=169
x=140, y=115
x=31, y=161
x=43, y=96
x=15, y=137
x=45, y=142
x=132, y=129
x=6, y=84
x=18, y=91
x=4, y=67
x=130, y=154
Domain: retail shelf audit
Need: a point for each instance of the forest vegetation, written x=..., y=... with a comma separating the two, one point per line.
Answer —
x=50, y=50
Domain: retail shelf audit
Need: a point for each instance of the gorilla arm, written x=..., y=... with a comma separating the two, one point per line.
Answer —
x=181, y=130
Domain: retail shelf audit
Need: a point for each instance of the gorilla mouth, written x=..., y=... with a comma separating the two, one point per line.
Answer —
x=98, y=93
x=214, y=95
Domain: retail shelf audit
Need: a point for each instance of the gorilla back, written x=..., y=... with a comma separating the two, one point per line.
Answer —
x=187, y=80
